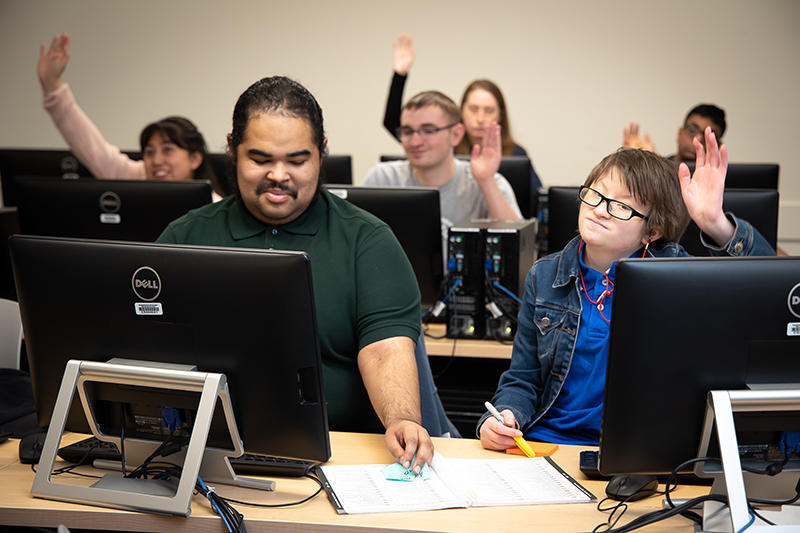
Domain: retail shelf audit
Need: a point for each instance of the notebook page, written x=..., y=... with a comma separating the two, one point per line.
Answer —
x=519, y=481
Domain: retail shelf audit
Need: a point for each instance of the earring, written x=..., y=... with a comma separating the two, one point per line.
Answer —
x=646, y=246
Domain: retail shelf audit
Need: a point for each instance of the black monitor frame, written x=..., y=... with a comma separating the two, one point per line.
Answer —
x=679, y=328
x=248, y=314
x=413, y=214
x=335, y=169
x=41, y=162
x=563, y=207
x=757, y=206
x=105, y=209
x=749, y=175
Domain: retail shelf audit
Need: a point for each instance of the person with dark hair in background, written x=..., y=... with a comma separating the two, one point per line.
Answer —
x=172, y=148
x=481, y=104
x=697, y=120
x=366, y=295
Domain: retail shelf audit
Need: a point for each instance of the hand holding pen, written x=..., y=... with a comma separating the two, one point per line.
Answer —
x=497, y=438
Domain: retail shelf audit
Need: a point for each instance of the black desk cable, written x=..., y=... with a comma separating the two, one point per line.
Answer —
x=684, y=509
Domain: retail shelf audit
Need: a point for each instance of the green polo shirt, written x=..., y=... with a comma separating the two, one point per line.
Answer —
x=364, y=287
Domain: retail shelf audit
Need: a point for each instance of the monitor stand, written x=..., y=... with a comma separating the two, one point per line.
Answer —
x=114, y=490
x=732, y=481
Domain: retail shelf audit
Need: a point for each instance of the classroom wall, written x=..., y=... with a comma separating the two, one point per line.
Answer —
x=573, y=72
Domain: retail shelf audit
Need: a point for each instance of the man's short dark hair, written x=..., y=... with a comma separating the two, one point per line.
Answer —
x=282, y=96
x=711, y=112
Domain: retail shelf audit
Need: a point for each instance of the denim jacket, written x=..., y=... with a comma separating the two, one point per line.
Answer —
x=549, y=317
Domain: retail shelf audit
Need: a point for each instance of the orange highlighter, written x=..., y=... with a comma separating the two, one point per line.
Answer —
x=526, y=449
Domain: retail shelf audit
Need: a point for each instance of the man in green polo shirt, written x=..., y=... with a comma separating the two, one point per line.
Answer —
x=366, y=294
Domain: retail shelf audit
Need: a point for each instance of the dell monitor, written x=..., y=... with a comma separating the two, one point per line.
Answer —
x=563, y=208
x=749, y=175
x=28, y=162
x=757, y=206
x=335, y=169
x=248, y=314
x=680, y=328
x=414, y=217
x=105, y=209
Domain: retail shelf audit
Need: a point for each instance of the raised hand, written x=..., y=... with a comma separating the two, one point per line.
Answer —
x=53, y=62
x=703, y=191
x=403, y=54
x=631, y=139
x=486, y=157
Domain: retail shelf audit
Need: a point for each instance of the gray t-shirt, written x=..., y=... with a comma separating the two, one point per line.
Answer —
x=460, y=198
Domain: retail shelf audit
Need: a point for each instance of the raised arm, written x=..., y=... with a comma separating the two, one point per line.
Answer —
x=84, y=138
x=703, y=191
x=53, y=62
x=402, y=61
x=484, y=164
x=403, y=54
x=389, y=372
x=631, y=139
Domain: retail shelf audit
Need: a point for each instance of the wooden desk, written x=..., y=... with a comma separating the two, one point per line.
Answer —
x=464, y=347
x=18, y=507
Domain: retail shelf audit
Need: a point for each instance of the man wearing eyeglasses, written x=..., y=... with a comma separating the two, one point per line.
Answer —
x=697, y=120
x=430, y=129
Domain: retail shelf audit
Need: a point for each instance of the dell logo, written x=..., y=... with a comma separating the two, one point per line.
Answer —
x=69, y=165
x=794, y=300
x=146, y=283
x=110, y=202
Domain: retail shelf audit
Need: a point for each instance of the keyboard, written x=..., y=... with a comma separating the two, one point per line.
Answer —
x=248, y=464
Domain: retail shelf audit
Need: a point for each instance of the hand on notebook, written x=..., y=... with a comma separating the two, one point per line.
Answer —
x=496, y=436
x=405, y=438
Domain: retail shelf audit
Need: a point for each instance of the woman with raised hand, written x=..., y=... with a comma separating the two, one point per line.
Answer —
x=172, y=148
x=481, y=105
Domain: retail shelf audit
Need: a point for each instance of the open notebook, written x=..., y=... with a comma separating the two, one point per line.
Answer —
x=454, y=483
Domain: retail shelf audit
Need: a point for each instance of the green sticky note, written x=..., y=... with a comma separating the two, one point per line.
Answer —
x=397, y=472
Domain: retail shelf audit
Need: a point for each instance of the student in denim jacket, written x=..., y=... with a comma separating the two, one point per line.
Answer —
x=634, y=204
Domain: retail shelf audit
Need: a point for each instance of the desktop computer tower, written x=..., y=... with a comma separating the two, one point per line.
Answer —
x=491, y=260
x=465, y=265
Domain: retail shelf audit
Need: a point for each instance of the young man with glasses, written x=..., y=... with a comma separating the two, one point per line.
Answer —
x=697, y=120
x=430, y=129
x=634, y=203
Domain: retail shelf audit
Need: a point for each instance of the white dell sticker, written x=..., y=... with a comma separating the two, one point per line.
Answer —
x=150, y=308
x=110, y=218
x=793, y=329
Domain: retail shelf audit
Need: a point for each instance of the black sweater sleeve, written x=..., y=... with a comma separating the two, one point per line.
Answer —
x=391, y=118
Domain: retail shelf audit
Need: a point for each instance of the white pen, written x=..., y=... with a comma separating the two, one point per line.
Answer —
x=521, y=443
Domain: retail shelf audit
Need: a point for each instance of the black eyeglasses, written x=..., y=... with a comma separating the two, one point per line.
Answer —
x=692, y=130
x=424, y=132
x=615, y=208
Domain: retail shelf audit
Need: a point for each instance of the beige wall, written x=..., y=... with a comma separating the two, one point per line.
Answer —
x=573, y=73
